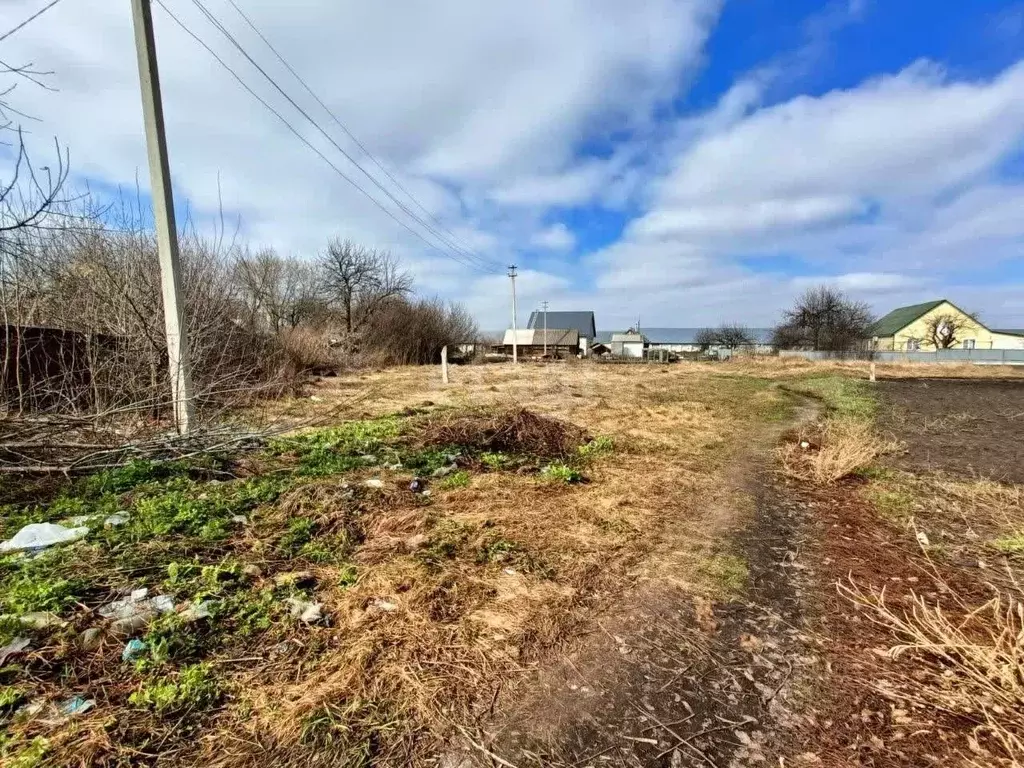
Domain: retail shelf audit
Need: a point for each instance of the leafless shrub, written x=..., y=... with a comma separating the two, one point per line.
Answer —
x=823, y=318
x=408, y=332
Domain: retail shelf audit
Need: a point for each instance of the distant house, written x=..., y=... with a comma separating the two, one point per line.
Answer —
x=908, y=329
x=629, y=344
x=684, y=340
x=559, y=342
x=581, y=322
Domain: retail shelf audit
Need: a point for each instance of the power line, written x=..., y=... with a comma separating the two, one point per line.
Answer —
x=305, y=141
x=461, y=246
x=29, y=20
x=231, y=38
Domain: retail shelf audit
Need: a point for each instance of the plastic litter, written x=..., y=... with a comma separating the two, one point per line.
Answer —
x=115, y=520
x=305, y=611
x=135, y=612
x=419, y=485
x=445, y=471
x=76, y=705
x=17, y=646
x=132, y=650
x=41, y=620
x=383, y=605
x=922, y=539
x=240, y=519
x=373, y=482
x=90, y=639
x=198, y=611
x=41, y=536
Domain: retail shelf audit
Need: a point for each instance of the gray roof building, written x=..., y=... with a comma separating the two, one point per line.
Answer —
x=578, y=321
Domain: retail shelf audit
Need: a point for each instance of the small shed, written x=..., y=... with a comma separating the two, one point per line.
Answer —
x=629, y=344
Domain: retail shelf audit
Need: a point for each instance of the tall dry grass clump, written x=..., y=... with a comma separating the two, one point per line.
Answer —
x=966, y=661
x=838, y=449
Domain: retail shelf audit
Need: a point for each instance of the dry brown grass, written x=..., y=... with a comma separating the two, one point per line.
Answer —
x=834, y=451
x=967, y=662
x=526, y=561
x=769, y=366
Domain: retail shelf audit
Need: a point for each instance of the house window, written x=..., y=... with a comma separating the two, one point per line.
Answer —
x=913, y=345
x=968, y=343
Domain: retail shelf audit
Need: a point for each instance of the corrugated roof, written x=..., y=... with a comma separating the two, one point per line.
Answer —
x=901, y=317
x=583, y=322
x=1009, y=331
x=683, y=335
x=527, y=337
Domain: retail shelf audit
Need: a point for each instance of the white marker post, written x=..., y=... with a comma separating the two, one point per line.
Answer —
x=444, y=364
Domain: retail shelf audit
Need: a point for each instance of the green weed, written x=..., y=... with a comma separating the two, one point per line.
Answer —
x=29, y=756
x=38, y=584
x=445, y=541
x=459, y=479
x=193, y=689
x=599, y=446
x=10, y=697
x=348, y=575
x=351, y=732
x=894, y=504
x=560, y=472
x=494, y=461
x=340, y=449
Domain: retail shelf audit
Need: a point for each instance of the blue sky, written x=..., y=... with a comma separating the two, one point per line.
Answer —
x=687, y=160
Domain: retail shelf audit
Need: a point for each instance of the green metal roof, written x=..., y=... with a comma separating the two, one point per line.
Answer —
x=900, y=318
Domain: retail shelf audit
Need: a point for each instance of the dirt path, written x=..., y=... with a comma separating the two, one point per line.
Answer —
x=670, y=679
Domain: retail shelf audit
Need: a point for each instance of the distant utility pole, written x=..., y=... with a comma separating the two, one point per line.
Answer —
x=515, y=330
x=163, y=216
x=545, y=328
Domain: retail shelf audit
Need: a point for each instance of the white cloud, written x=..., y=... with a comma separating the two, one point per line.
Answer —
x=464, y=97
x=557, y=237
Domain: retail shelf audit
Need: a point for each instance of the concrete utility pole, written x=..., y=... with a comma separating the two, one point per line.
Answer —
x=163, y=216
x=545, y=328
x=515, y=330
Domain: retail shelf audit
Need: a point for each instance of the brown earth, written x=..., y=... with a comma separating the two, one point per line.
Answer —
x=969, y=427
x=674, y=678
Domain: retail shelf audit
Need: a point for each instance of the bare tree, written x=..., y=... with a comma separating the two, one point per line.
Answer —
x=823, y=318
x=361, y=280
x=279, y=292
x=730, y=336
x=945, y=330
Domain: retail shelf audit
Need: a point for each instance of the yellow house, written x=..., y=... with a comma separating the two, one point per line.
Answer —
x=937, y=324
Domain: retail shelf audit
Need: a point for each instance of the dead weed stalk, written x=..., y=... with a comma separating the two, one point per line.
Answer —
x=839, y=448
x=967, y=662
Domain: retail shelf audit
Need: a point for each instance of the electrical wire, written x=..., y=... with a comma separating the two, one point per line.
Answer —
x=404, y=208
x=305, y=141
x=29, y=20
x=461, y=246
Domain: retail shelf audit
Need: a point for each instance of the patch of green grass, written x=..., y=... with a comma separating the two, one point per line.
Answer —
x=10, y=697
x=427, y=461
x=459, y=479
x=299, y=531
x=842, y=396
x=348, y=575
x=728, y=573
x=891, y=502
x=1011, y=544
x=342, y=448
x=562, y=473
x=30, y=755
x=193, y=689
x=43, y=583
x=326, y=550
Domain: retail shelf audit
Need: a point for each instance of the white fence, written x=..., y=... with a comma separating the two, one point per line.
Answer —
x=976, y=356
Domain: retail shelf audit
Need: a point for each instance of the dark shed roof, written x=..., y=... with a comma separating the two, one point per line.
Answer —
x=579, y=321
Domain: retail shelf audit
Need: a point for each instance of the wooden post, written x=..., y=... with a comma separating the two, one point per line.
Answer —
x=872, y=370
x=444, y=364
